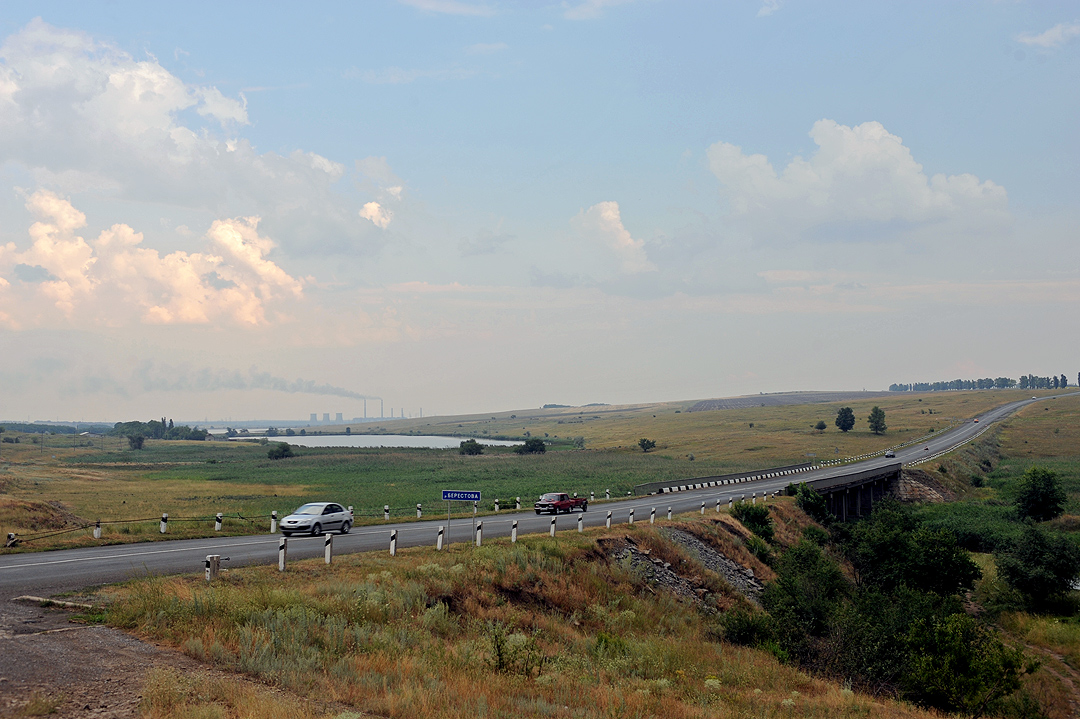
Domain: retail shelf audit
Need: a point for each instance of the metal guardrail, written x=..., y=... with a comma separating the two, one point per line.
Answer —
x=681, y=485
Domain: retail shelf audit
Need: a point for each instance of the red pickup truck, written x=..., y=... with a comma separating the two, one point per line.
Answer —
x=555, y=502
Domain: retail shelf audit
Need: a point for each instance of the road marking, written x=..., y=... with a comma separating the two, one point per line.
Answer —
x=130, y=554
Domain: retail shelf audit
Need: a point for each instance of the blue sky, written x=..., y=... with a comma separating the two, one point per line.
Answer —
x=241, y=210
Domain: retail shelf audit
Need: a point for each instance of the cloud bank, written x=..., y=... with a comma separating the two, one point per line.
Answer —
x=114, y=279
x=862, y=183
x=82, y=115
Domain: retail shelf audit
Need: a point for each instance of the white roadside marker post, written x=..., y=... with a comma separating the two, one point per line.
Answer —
x=496, y=506
x=608, y=519
x=669, y=512
x=273, y=522
x=513, y=532
x=517, y=503
x=393, y=543
x=419, y=513
x=753, y=500
x=580, y=523
x=97, y=530
x=631, y=516
x=212, y=565
x=718, y=505
x=439, y=541
x=607, y=494
x=217, y=522
x=552, y=527
x=652, y=516
x=164, y=522
x=702, y=509
x=282, y=552
x=479, y=533
x=386, y=512
x=328, y=548
x=592, y=496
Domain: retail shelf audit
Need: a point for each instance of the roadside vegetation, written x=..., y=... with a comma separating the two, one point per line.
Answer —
x=545, y=627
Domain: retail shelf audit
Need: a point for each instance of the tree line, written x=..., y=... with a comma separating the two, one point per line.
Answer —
x=1028, y=381
x=155, y=429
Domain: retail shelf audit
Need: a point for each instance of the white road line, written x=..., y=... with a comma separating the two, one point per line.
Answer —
x=124, y=556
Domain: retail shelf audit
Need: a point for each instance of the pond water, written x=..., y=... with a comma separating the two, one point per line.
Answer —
x=383, y=440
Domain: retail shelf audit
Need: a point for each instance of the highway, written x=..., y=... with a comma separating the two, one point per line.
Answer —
x=47, y=573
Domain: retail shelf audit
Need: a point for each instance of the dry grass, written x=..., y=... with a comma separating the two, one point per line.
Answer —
x=412, y=636
x=1044, y=429
x=779, y=433
x=169, y=694
x=40, y=705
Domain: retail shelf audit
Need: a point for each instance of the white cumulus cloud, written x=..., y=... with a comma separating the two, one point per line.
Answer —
x=603, y=223
x=115, y=280
x=378, y=215
x=861, y=181
x=1060, y=34
x=81, y=115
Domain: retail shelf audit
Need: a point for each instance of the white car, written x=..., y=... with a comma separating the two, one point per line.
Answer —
x=889, y=454
x=318, y=518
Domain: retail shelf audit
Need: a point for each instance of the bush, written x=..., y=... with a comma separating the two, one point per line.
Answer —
x=809, y=501
x=755, y=517
x=532, y=446
x=471, y=447
x=280, y=450
x=1041, y=565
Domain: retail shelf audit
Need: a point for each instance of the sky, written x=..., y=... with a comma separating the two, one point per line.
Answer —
x=246, y=210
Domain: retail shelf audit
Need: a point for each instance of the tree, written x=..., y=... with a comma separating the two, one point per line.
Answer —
x=280, y=450
x=877, y=420
x=809, y=501
x=1041, y=497
x=958, y=665
x=471, y=447
x=646, y=444
x=1041, y=565
x=135, y=441
x=845, y=419
x=531, y=446
x=820, y=426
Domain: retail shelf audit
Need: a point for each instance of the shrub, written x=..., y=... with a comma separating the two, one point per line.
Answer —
x=755, y=517
x=809, y=501
x=534, y=445
x=471, y=447
x=280, y=450
x=1041, y=565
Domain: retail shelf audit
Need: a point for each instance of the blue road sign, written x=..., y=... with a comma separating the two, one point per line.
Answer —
x=457, y=495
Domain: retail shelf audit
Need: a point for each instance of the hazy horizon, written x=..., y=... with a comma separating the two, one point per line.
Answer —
x=242, y=210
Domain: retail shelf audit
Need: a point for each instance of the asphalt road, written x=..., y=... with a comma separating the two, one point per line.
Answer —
x=46, y=573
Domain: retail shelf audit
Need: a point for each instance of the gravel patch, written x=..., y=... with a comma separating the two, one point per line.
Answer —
x=741, y=578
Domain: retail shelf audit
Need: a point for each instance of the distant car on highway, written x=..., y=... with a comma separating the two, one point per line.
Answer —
x=889, y=454
x=316, y=518
x=976, y=420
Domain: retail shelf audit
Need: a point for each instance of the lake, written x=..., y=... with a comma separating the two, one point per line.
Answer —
x=382, y=440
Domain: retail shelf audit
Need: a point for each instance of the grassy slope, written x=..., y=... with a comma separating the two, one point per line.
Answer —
x=415, y=635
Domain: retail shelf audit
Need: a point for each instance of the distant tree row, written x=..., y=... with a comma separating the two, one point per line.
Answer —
x=985, y=383
x=157, y=429
x=1032, y=382
x=1029, y=381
